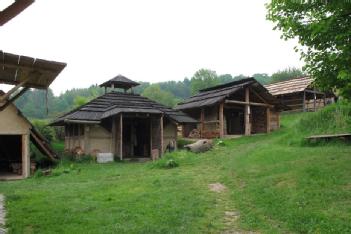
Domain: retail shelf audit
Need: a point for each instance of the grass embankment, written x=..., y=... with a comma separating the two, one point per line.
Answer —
x=277, y=182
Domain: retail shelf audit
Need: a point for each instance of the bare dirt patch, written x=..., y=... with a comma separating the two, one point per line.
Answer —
x=217, y=187
x=2, y=214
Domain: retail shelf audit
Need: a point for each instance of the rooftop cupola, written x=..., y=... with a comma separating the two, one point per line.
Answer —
x=119, y=82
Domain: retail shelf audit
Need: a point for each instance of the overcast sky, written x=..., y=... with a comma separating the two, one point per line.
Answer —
x=154, y=40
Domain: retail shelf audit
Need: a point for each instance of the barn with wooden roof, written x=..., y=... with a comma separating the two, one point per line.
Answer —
x=120, y=122
x=16, y=132
x=235, y=108
x=300, y=94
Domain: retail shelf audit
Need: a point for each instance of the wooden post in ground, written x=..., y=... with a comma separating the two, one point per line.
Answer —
x=150, y=137
x=161, y=135
x=268, y=120
x=25, y=156
x=304, y=102
x=202, y=122
x=314, y=101
x=121, y=137
x=247, y=112
x=221, y=120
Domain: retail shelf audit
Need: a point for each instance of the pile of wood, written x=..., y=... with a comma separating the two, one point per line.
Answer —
x=210, y=134
x=195, y=133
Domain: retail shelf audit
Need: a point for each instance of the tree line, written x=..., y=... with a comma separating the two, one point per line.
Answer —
x=42, y=104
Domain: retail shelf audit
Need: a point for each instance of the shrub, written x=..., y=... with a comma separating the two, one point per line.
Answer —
x=182, y=142
x=171, y=163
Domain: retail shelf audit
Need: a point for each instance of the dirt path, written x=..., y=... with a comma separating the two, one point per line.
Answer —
x=2, y=214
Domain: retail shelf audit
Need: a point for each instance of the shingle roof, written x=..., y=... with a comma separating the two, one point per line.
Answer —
x=289, y=86
x=114, y=103
x=216, y=94
x=17, y=68
x=120, y=82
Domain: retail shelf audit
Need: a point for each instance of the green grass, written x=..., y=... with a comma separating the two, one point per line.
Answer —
x=277, y=182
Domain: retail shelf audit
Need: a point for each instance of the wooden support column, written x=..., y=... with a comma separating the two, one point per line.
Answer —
x=247, y=113
x=121, y=137
x=221, y=120
x=314, y=101
x=304, y=102
x=202, y=122
x=324, y=100
x=86, y=138
x=25, y=156
x=150, y=137
x=268, y=120
x=161, y=135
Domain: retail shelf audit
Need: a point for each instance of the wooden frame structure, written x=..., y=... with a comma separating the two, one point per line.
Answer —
x=122, y=123
x=13, y=10
x=241, y=108
x=300, y=94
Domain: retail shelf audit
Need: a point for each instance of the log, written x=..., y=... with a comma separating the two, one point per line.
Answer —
x=200, y=146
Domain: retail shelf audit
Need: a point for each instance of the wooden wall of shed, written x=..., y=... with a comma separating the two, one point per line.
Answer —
x=12, y=123
x=169, y=134
x=258, y=119
x=275, y=120
x=155, y=134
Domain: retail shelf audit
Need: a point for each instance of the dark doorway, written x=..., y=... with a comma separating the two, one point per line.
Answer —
x=136, y=137
x=235, y=121
x=11, y=154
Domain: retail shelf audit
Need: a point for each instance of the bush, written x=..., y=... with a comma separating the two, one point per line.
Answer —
x=47, y=131
x=166, y=162
x=171, y=163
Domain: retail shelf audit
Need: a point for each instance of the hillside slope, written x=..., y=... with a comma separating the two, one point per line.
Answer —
x=274, y=183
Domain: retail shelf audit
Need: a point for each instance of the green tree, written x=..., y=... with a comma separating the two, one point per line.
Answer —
x=79, y=101
x=263, y=78
x=155, y=93
x=202, y=79
x=323, y=29
x=286, y=74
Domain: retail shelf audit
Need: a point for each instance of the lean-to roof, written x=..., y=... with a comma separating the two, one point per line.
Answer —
x=289, y=86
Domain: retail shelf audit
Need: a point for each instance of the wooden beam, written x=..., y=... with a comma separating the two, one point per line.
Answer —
x=8, y=102
x=247, y=112
x=202, y=120
x=304, y=101
x=13, y=10
x=221, y=120
x=248, y=103
x=14, y=89
x=161, y=135
x=268, y=111
x=150, y=137
x=314, y=101
x=259, y=96
x=121, y=137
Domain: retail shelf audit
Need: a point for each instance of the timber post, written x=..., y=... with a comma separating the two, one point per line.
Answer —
x=304, y=102
x=121, y=137
x=161, y=135
x=221, y=120
x=202, y=120
x=314, y=101
x=247, y=113
x=25, y=156
x=268, y=120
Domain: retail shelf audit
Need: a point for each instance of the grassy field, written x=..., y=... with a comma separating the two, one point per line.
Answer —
x=276, y=183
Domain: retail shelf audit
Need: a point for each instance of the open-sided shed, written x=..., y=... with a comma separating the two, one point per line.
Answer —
x=300, y=94
x=16, y=131
x=235, y=108
x=125, y=124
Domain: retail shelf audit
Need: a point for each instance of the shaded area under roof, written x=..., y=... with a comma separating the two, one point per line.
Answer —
x=216, y=94
x=289, y=86
x=114, y=103
x=120, y=82
x=40, y=73
x=13, y=10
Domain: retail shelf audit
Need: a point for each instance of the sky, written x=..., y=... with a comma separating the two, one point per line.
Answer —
x=151, y=41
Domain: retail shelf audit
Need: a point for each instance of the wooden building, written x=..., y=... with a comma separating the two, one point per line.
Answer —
x=235, y=108
x=16, y=132
x=300, y=94
x=122, y=123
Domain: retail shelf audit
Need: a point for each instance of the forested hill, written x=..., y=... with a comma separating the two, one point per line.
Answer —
x=34, y=103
